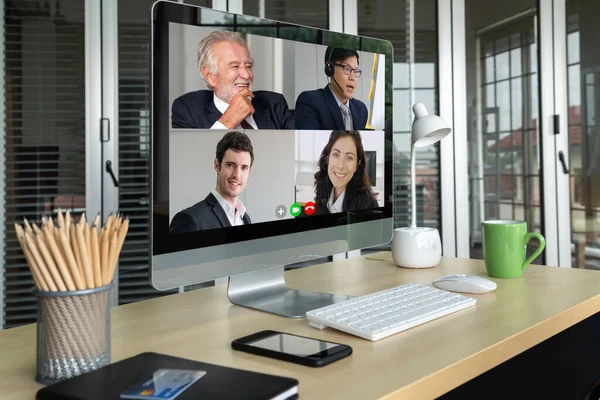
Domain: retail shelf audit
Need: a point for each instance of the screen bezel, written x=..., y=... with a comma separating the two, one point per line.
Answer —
x=165, y=12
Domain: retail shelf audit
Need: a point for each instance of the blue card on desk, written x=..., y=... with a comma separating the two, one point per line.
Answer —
x=163, y=384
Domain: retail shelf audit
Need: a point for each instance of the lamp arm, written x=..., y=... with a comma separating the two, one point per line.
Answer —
x=413, y=190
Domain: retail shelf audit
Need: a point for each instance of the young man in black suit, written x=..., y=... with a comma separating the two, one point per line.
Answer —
x=225, y=63
x=334, y=107
x=222, y=207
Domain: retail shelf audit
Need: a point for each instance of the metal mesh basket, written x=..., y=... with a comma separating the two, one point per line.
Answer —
x=73, y=333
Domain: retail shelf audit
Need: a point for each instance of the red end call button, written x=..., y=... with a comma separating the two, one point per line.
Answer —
x=309, y=208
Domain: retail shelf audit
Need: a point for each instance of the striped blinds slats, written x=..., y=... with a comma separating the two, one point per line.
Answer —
x=44, y=147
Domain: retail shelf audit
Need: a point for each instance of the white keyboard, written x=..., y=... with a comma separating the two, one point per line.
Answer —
x=381, y=314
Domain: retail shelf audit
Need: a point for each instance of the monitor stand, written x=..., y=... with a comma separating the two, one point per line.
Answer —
x=266, y=290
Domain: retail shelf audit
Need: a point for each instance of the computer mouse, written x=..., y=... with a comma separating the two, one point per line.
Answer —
x=465, y=283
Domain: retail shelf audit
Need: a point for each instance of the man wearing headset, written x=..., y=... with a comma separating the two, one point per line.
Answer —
x=334, y=107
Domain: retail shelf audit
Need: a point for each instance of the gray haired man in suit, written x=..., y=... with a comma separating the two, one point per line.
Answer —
x=222, y=207
x=225, y=64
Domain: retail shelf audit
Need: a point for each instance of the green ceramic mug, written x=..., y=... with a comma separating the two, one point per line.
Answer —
x=505, y=247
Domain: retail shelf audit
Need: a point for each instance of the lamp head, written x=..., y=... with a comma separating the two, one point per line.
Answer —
x=427, y=129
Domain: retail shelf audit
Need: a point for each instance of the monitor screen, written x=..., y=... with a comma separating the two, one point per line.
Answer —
x=304, y=173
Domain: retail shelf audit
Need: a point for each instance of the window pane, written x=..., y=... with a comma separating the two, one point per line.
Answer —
x=516, y=93
x=503, y=96
x=489, y=95
x=515, y=62
x=489, y=69
x=401, y=75
x=574, y=85
x=573, y=47
x=425, y=75
x=402, y=111
x=501, y=45
x=502, y=66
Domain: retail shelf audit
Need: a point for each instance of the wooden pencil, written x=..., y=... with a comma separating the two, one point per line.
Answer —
x=96, y=222
x=120, y=239
x=50, y=265
x=112, y=255
x=87, y=235
x=27, y=226
x=68, y=224
x=95, y=250
x=60, y=219
x=35, y=272
x=77, y=253
x=36, y=230
x=30, y=241
x=58, y=258
x=104, y=254
x=71, y=262
x=85, y=259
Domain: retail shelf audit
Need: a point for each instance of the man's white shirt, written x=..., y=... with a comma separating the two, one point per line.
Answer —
x=222, y=107
x=235, y=215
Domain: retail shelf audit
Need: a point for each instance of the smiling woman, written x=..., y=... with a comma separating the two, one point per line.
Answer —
x=342, y=183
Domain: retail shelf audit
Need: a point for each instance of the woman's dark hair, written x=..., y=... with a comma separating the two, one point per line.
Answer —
x=236, y=141
x=358, y=194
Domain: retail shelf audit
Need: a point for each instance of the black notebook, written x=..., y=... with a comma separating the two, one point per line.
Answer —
x=219, y=382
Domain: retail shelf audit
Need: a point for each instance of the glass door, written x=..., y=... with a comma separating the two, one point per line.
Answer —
x=505, y=180
x=518, y=138
x=582, y=65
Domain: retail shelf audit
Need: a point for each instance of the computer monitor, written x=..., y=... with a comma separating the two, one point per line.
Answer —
x=285, y=220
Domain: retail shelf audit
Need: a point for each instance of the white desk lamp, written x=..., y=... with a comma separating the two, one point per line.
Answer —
x=419, y=247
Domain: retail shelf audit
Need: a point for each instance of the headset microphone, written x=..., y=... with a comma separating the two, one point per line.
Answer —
x=329, y=70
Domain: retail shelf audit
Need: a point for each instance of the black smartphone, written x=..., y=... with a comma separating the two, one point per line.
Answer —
x=292, y=348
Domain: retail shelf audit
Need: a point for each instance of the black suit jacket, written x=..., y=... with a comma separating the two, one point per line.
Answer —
x=197, y=110
x=206, y=214
x=318, y=110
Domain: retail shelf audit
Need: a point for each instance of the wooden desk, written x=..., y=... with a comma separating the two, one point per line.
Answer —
x=423, y=362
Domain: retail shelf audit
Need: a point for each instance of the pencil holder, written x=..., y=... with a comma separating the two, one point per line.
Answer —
x=73, y=332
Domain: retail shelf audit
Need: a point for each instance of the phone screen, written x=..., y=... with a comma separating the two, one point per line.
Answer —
x=291, y=344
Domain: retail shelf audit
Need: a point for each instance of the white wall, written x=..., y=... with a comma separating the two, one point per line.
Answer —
x=192, y=176
x=280, y=65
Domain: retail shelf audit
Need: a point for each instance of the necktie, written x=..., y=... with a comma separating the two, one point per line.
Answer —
x=246, y=125
x=346, y=116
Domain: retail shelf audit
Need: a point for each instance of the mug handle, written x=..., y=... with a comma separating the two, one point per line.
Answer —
x=538, y=251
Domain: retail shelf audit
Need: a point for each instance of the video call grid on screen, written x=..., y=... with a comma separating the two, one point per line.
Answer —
x=287, y=66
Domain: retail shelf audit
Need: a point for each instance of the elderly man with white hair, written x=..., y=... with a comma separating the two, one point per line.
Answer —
x=225, y=63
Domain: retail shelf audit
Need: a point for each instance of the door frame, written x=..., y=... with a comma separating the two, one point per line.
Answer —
x=102, y=139
x=561, y=108
x=553, y=87
x=454, y=179
x=93, y=108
